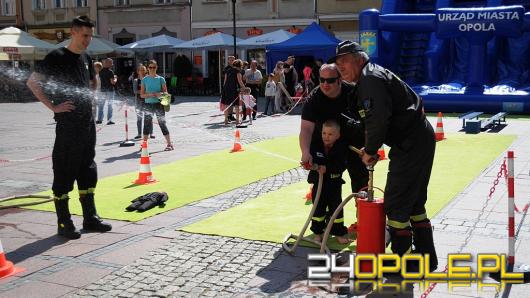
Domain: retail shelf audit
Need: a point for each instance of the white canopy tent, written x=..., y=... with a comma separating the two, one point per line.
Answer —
x=261, y=41
x=159, y=43
x=98, y=46
x=218, y=41
x=15, y=42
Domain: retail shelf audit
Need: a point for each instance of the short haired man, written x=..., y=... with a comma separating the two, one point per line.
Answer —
x=330, y=102
x=291, y=75
x=108, y=81
x=393, y=114
x=253, y=78
x=62, y=84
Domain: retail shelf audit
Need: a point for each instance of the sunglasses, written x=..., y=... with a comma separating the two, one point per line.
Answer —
x=328, y=80
x=152, y=67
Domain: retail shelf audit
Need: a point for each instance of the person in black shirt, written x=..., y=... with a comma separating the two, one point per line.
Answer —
x=393, y=114
x=63, y=84
x=330, y=155
x=108, y=81
x=330, y=102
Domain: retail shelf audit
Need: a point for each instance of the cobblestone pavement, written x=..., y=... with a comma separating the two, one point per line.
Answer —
x=151, y=258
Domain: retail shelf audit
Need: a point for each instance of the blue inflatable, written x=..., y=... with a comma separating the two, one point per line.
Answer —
x=458, y=55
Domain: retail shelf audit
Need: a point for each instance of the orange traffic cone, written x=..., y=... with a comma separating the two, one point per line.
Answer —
x=145, y=176
x=6, y=267
x=381, y=153
x=352, y=228
x=309, y=194
x=439, y=128
x=237, y=143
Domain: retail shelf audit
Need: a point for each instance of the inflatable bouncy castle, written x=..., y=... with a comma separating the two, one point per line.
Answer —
x=459, y=55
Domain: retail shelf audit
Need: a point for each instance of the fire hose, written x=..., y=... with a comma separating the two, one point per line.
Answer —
x=291, y=249
x=45, y=199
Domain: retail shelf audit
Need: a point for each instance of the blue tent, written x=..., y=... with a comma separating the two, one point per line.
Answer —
x=313, y=41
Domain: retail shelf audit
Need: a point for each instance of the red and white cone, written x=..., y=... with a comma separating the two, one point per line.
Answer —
x=145, y=176
x=237, y=143
x=6, y=267
x=439, y=128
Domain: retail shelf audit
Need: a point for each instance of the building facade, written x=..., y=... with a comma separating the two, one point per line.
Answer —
x=342, y=16
x=253, y=17
x=126, y=21
x=10, y=13
x=50, y=20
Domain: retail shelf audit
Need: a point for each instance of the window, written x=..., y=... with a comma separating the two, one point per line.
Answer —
x=59, y=3
x=8, y=7
x=122, y=2
x=39, y=4
x=163, y=1
x=81, y=3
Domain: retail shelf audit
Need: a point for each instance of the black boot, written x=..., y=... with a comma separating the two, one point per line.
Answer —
x=401, y=243
x=65, y=224
x=423, y=241
x=91, y=220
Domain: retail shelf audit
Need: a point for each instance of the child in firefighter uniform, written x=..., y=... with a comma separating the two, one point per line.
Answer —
x=330, y=155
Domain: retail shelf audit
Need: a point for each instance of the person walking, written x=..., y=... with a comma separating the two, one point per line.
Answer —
x=393, y=114
x=62, y=83
x=233, y=82
x=141, y=71
x=108, y=81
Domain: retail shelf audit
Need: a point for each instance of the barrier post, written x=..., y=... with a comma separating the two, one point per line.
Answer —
x=127, y=142
x=511, y=212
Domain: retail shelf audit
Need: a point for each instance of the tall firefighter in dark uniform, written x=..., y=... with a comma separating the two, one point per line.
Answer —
x=62, y=83
x=393, y=114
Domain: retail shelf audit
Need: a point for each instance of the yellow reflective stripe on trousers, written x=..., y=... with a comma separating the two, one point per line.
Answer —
x=419, y=217
x=65, y=196
x=318, y=218
x=397, y=224
x=339, y=220
x=84, y=192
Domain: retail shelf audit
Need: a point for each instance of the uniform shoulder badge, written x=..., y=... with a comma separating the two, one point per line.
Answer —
x=367, y=104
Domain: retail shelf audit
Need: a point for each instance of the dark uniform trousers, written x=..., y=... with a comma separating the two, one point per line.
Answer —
x=73, y=157
x=330, y=199
x=406, y=193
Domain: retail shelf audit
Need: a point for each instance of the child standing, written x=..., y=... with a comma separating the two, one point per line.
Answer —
x=270, y=93
x=330, y=155
x=248, y=101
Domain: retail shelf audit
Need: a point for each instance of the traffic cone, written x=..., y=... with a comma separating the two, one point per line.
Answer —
x=352, y=228
x=6, y=267
x=145, y=176
x=309, y=194
x=381, y=153
x=439, y=128
x=237, y=143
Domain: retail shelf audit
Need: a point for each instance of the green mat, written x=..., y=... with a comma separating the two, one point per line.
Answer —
x=191, y=179
x=459, y=160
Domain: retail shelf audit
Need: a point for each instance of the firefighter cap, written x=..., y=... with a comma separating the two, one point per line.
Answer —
x=346, y=47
